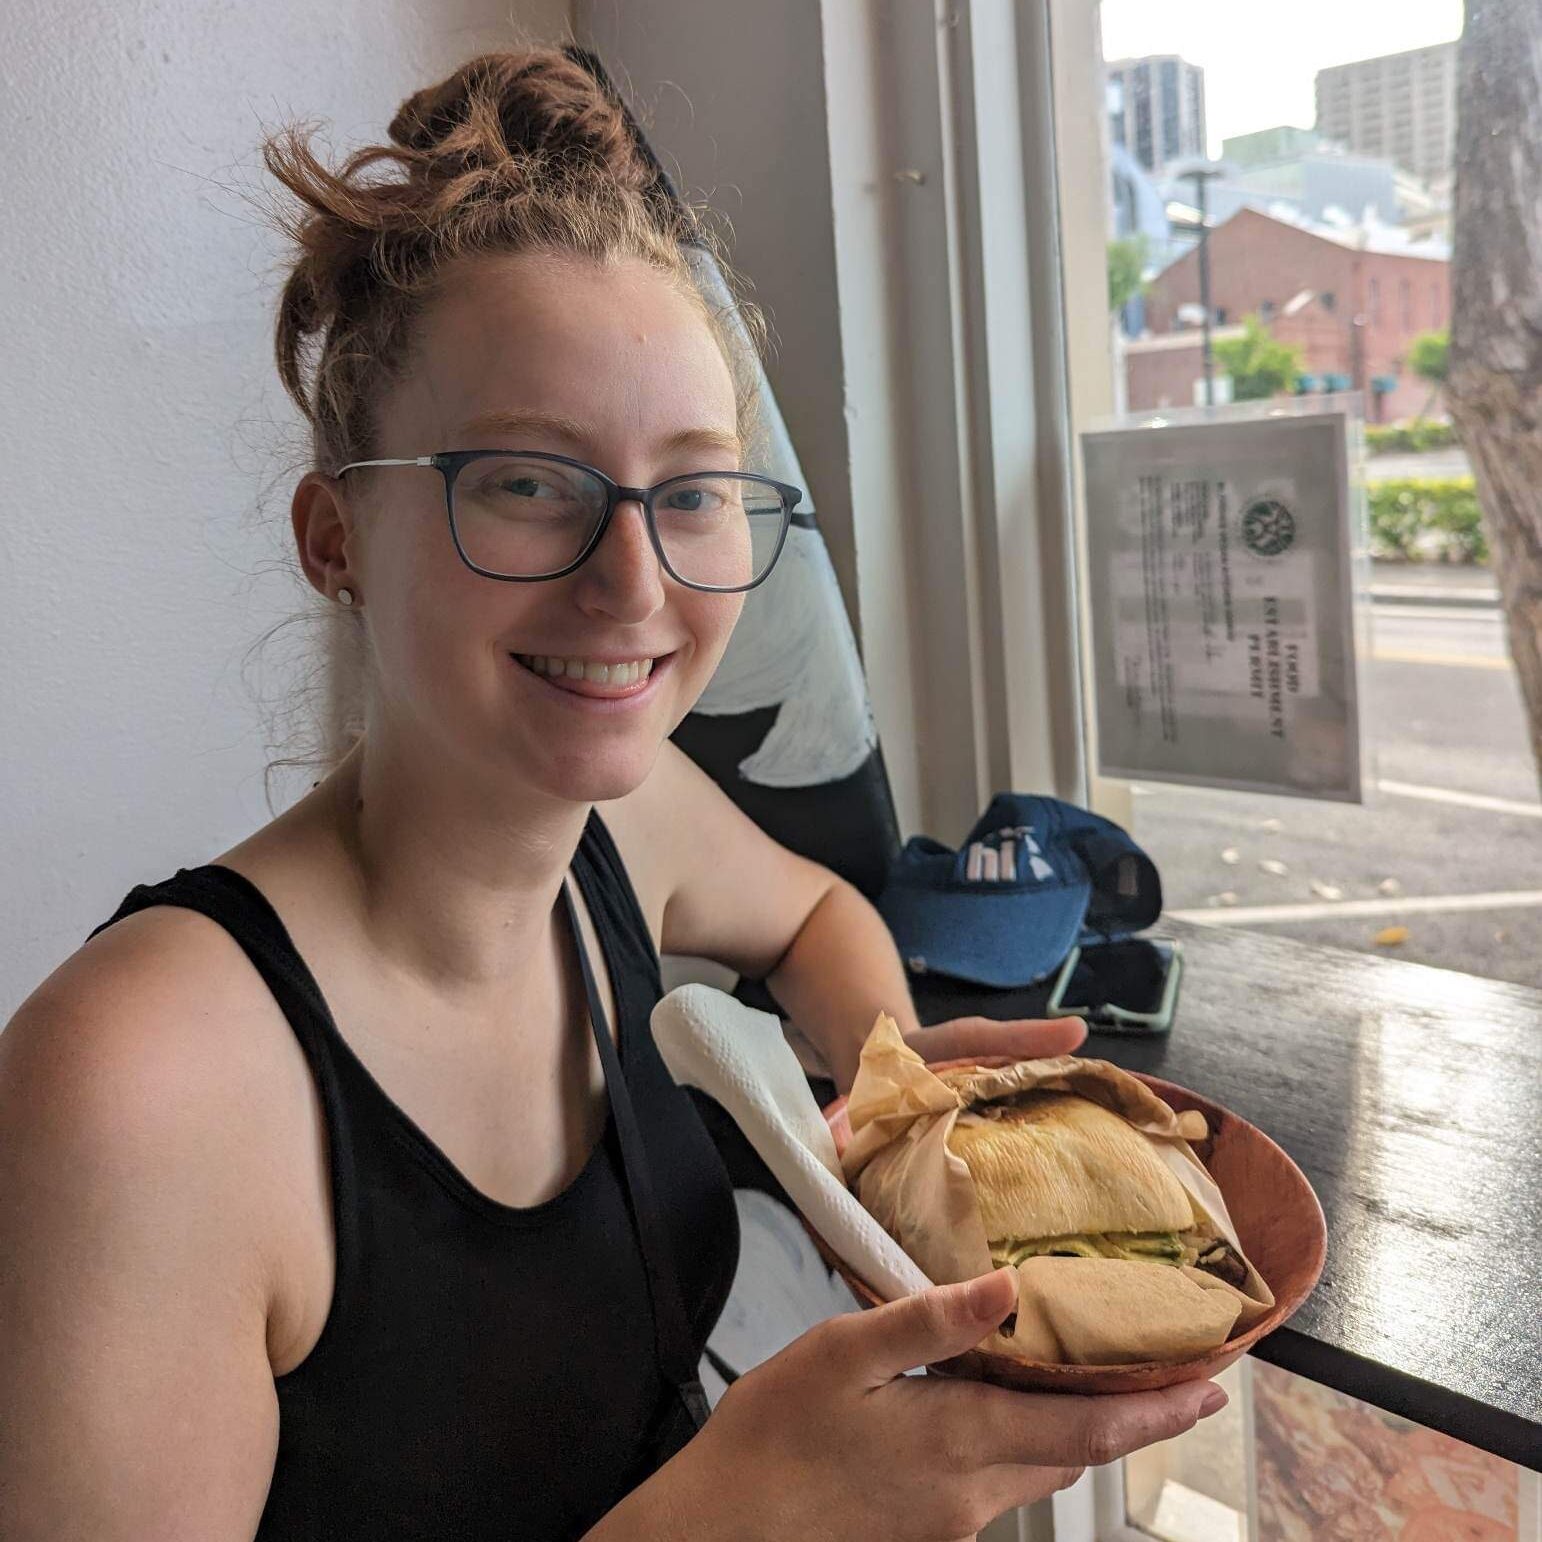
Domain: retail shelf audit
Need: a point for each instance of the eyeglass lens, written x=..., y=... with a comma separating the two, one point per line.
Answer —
x=526, y=518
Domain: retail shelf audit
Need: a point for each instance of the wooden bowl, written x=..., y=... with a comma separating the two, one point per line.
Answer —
x=1279, y=1224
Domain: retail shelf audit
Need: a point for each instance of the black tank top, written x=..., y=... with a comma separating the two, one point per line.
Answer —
x=486, y=1371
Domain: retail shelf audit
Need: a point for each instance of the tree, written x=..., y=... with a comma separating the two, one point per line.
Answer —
x=1428, y=358
x=1126, y=262
x=1494, y=386
x=1259, y=366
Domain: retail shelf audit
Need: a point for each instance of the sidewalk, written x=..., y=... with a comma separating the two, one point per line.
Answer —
x=1450, y=461
x=1432, y=583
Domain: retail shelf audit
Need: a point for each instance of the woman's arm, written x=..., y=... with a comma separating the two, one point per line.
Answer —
x=136, y=1395
x=738, y=897
x=841, y=971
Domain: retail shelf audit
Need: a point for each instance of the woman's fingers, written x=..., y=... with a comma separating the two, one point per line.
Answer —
x=932, y=1325
x=1010, y=1487
x=1019, y=1038
x=1042, y=1429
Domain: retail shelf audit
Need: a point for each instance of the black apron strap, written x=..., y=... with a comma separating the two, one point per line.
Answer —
x=671, y=1328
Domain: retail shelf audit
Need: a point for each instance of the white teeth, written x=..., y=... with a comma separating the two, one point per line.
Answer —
x=583, y=669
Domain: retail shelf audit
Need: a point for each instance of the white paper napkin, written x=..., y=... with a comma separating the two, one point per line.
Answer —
x=739, y=1057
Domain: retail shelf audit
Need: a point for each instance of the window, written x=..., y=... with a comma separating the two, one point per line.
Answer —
x=1195, y=85
x=1437, y=684
x=1145, y=150
x=1171, y=106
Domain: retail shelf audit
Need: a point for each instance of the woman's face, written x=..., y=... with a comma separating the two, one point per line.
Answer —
x=613, y=366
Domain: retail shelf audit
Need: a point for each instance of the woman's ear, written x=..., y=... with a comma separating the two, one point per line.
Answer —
x=323, y=525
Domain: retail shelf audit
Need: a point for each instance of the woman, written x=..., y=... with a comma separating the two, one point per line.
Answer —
x=334, y=1207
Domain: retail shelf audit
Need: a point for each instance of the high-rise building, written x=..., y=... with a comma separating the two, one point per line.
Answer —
x=1401, y=106
x=1156, y=109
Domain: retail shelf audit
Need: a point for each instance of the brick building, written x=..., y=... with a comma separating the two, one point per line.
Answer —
x=1351, y=300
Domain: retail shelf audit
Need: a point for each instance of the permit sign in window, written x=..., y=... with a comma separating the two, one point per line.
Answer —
x=1221, y=586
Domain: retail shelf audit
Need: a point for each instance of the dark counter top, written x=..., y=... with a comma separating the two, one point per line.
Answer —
x=1412, y=1099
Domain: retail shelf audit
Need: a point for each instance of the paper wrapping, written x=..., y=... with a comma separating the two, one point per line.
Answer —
x=1075, y=1311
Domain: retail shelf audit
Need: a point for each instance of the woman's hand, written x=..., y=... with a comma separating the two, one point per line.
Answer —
x=829, y=1440
x=1023, y=1038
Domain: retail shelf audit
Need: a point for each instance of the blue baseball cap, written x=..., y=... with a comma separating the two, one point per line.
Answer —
x=1034, y=877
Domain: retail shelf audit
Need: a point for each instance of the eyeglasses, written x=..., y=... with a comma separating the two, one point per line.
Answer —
x=523, y=516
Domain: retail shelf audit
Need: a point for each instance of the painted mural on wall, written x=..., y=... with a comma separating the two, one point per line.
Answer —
x=785, y=726
x=793, y=648
x=1332, y=1469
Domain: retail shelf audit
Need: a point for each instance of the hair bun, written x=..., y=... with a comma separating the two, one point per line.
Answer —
x=506, y=105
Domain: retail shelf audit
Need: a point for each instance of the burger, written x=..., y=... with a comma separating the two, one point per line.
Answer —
x=1071, y=1171
x=1057, y=1175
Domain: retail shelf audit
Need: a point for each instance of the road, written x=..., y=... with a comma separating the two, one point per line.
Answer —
x=1450, y=461
x=1451, y=819
x=1469, y=638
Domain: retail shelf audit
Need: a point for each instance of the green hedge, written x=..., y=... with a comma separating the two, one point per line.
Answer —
x=1409, y=438
x=1426, y=519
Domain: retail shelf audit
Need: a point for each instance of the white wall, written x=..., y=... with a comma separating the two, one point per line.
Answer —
x=145, y=442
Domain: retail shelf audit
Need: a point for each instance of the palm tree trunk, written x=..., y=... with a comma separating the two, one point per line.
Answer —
x=1494, y=389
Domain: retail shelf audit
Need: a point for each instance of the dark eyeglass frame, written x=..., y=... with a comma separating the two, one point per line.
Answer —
x=450, y=464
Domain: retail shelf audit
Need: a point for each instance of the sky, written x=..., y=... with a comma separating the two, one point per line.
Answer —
x=1259, y=56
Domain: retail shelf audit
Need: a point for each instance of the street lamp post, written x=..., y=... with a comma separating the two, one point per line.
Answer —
x=1202, y=176
x=1201, y=181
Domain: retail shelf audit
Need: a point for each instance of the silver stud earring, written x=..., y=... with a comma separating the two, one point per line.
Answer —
x=345, y=596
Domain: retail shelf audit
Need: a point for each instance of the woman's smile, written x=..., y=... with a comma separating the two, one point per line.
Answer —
x=595, y=684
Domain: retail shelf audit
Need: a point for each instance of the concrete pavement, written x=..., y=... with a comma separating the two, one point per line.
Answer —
x=1448, y=462
x=1432, y=583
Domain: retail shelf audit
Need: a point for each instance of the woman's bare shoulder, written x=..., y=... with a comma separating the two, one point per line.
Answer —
x=157, y=1029
x=153, y=977
x=139, y=1210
